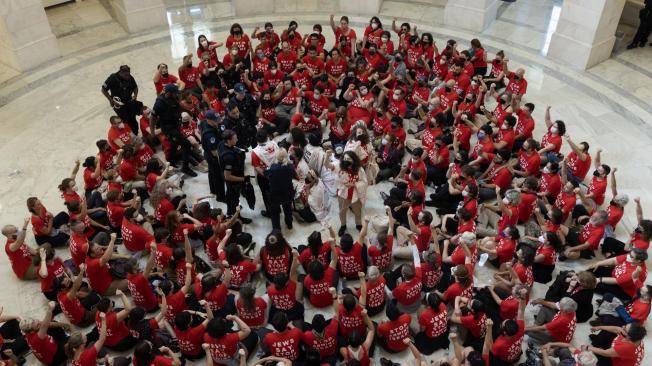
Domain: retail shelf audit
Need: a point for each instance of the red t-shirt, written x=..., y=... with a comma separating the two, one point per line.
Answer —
x=217, y=297
x=629, y=354
x=505, y=249
x=224, y=348
x=550, y=183
x=284, y=344
x=43, y=349
x=562, y=327
x=526, y=207
x=283, y=299
x=240, y=272
x=20, y=259
x=577, y=167
x=327, y=345
x=141, y=291
x=350, y=263
x=351, y=322
x=409, y=292
x=89, y=181
x=278, y=264
x=124, y=134
x=475, y=324
x=55, y=270
x=375, y=293
x=255, y=317
x=381, y=257
x=318, y=290
x=99, y=276
x=73, y=309
x=88, y=357
x=598, y=187
x=508, y=348
x=190, y=340
x=506, y=220
x=395, y=332
x=592, y=234
x=306, y=256
x=116, y=213
x=336, y=69
x=623, y=271
x=135, y=237
x=434, y=323
x=78, y=248
x=116, y=330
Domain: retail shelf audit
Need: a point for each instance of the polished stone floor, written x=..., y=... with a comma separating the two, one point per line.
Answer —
x=51, y=116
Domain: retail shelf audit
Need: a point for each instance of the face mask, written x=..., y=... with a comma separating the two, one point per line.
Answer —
x=363, y=91
x=554, y=130
x=420, y=217
x=374, y=25
x=630, y=259
x=204, y=43
x=372, y=53
x=234, y=52
x=317, y=96
x=596, y=173
x=384, y=39
x=398, y=58
x=384, y=141
x=546, y=170
x=505, y=126
x=506, y=201
x=169, y=191
x=481, y=135
x=260, y=55
x=442, y=62
x=225, y=101
x=396, y=97
x=140, y=218
x=121, y=125
x=431, y=107
x=345, y=164
x=542, y=239
x=273, y=71
x=306, y=119
x=74, y=188
x=465, y=193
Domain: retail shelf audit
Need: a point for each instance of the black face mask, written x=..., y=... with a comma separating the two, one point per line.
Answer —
x=458, y=161
x=345, y=164
x=372, y=53
x=596, y=173
x=499, y=61
x=165, y=74
x=448, y=89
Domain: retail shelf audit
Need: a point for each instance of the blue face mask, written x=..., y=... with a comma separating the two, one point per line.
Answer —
x=481, y=135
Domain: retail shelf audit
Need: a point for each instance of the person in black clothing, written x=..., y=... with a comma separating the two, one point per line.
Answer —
x=166, y=114
x=248, y=108
x=578, y=286
x=211, y=135
x=280, y=175
x=232, y=161
x=121, y=90
x=235, y=122
x=644, y=28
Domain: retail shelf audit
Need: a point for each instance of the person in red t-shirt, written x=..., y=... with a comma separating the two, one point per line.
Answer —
x=323, y=336
x=191, y=338
x=392, y=332
x=76, y=305
x=119, y=337
x=501, y=249
x=320, y=279
x=560, y=329
x=144, y=355
x=285, y=341
x=162, y=78
x=119, y=133
x=578, y=160
x=77, y=351
x=469, y=313
x=584, y=243
x=433, y=326
x=139, y=285
x=627, y=349
x=134, y=236
x=97, y=269
x=191, y=77
x=507, y=346
x=551, y=141
x=489, y=221
x=345, y=37
x=46, y=341
x=223, y=345
x=19, y=253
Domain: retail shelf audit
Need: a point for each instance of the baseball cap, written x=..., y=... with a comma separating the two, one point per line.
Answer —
x=239, y=88
x=210, y=114
x=171, y=87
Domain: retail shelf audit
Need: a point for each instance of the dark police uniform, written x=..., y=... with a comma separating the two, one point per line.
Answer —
x=246, y=129
x=124, y=89
x=168, y=113
x=281, y=193
x=232, y=159
x=210, y=142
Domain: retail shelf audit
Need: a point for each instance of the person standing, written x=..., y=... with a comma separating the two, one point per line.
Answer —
x=644, y=28
x=232, y=162
x=280, y=175
x=211, y=135
x=121, y=90
x=167, y=116
x=247, y=106
x=262, y=156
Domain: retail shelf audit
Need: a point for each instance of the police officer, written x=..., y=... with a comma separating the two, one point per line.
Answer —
x=211, y=135
x=166, y=114
x=280, y=175
x=121, y=90
x=232, y=161
x=248, y=108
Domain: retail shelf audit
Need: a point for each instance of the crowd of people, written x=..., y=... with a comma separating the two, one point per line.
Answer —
x=448, y=132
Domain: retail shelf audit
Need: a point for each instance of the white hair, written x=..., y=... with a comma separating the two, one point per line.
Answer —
x=567, y=305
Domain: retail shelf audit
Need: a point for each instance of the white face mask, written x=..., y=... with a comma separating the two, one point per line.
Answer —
x=546, y=170
x=374, y=25
x=121, y=125
x=273, y=71
x=554, y=129
x=384, y=141
x=505, y=126
x=317, y=96
x=225, y=101
x=542, y=239
x=442, y=62
x=234, y=52
x=396, y=97
x=364, y=91
x=630, y=259
x=74, y=188
x=204, y=43
x=506, y=201
x=384, y=39
x=415, y=160
x=305, y=118
x=465, y=193
x=139, y=218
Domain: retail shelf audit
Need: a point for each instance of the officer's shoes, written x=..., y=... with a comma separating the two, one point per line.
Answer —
x=189, y=172
x=244, y=220
x=264, y=213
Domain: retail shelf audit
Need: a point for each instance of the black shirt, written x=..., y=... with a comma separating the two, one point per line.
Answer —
x=232, y=159
x=168, y=112
x=210, y=141
x=119, y=87
x=280, y=181
x=248, y=106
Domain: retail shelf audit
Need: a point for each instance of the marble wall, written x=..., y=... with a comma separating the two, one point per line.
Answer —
x=474, y=15
x=138, y=15
x=257, y=7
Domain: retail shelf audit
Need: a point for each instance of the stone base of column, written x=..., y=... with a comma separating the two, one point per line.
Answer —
x=474, y=15
x=252, y=7
x=26, y=44
x=578, y=54
x=138, y=15
x=360, y=6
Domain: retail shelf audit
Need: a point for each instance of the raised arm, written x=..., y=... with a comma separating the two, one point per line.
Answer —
x=295, y=265
x=127, y=305
x=614, y=187
x=188, y=280
x=75, y=169
x=186, y=246
x=418, y=357
x=547, y=118
x=45, y=323
x=488, y=337
x=363, y=289
x=332, y=21
x=21, y=237
x=244, y=329
x=104, y=260
x=100, y=341
x=639, y=209
x=363, y=231
x=333, y=263
x=76, y=285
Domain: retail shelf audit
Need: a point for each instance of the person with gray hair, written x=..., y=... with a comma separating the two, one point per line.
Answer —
x=376, y=295
x=280, y=175
x=584, y=242
x=560, y=329
x=493, y=219
x=568, y=355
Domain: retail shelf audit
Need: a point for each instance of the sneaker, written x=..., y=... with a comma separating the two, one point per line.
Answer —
x=244, y=220
x=181, y=183
x=289, y=225
x=264, y=213
x=342, y=230
x=189, y=172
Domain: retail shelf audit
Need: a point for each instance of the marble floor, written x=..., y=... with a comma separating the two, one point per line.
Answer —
x=52, y=115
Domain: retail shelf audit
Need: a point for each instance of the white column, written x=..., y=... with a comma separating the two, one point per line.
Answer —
x=474, y=15
x=585, y=33
x=26, y=39
x=138, y=15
